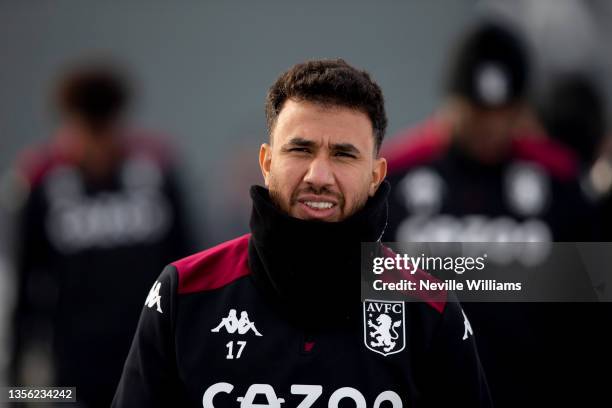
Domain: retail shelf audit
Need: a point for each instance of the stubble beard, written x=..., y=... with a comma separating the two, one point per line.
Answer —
x=284, y=206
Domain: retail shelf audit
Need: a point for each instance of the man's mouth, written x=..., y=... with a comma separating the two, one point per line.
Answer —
x=319, y=208
x=319, y=205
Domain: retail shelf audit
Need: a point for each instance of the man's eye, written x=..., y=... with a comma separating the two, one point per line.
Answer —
x=299, y=150
x=344, y=154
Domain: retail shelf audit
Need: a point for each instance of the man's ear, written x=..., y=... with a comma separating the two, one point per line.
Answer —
x=379, y=172
x=265, y=161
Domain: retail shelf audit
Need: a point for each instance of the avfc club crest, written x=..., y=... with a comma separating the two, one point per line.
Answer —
x=384, y=326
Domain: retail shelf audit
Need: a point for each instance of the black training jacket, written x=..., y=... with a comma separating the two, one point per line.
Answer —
x=209, y=335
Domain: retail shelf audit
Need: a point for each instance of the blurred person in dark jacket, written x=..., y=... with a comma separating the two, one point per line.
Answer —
x=573, y=110
x=481, y=170
x=479, y=137
x=102, y=207
x=601, y=179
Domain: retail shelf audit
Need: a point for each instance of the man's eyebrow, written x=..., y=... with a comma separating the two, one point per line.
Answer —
x=301, y=142
x=337, y=147
x=345, y=148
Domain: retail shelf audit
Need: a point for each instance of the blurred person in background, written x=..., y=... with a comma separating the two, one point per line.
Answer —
x=573, y=110
x=601, y=176
x=481, y=170
x=102, y=212
x=482, y=154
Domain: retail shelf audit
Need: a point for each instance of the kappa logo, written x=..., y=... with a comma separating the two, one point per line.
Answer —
x=384, y=326
x=154, y=298
x=232, y=324
x=467, y=327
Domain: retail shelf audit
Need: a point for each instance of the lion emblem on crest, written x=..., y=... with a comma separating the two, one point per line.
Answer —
x=382, y=332
x=384, y=326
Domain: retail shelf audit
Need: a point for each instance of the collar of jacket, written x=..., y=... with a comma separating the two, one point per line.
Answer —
x=311, y=267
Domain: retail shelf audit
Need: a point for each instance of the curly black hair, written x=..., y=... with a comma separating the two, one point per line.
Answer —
x=330, y=82
x=97, y=93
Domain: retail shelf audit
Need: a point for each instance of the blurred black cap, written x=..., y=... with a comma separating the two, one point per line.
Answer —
x=490, y=67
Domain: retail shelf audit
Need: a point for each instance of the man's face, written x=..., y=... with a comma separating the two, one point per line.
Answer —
x=487, y=133
x=321, y=162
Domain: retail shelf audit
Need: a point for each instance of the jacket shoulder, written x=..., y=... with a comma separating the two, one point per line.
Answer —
x=213, y=268
x=436, y=299
x=35, y=162
x=556, y=159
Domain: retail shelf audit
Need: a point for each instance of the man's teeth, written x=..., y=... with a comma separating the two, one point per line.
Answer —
x=319, y=205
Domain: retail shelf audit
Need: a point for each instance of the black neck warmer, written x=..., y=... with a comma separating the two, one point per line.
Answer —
x=312, y=268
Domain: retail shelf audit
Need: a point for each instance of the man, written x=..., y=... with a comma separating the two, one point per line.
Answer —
x=573, y=110
x=102, y=209
x=476, y=173
x=477, y=156
x=297, y=275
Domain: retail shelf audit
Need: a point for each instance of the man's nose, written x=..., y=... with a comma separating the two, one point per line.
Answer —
x=320, y=173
